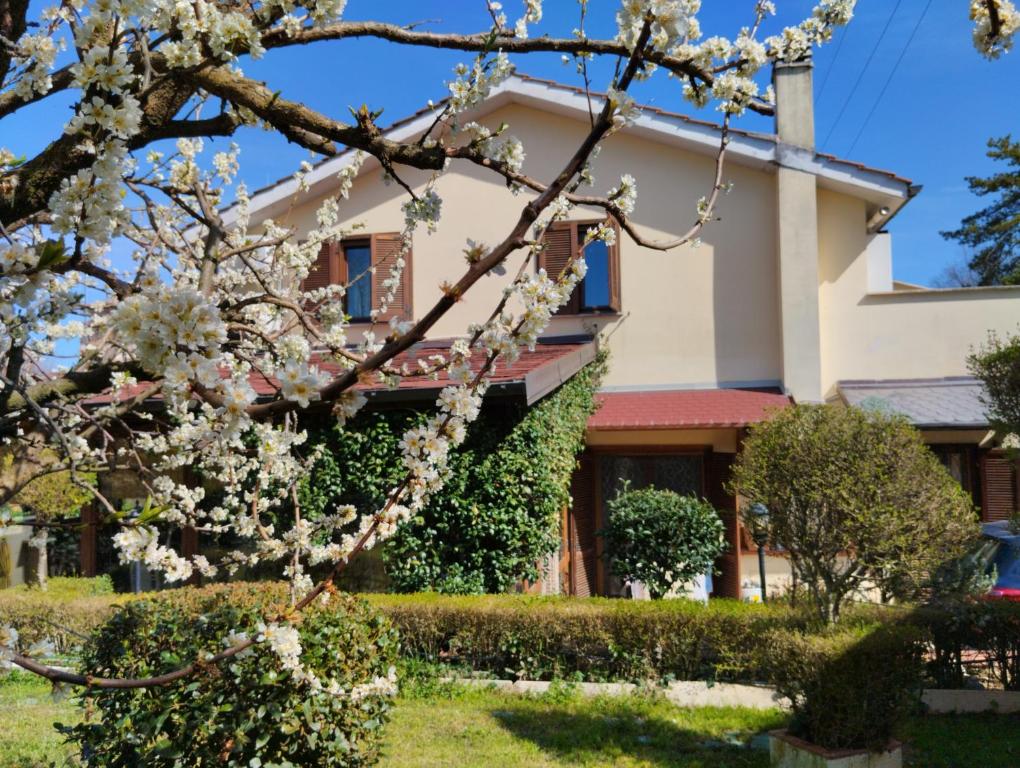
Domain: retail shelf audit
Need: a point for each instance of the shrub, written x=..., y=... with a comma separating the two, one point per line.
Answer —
x=969, y=629
x=64, y=614
x=662, y=539
x=848, y=690
x=593, y=638
x=545, y=638
x=245, y=711
x=856, y=498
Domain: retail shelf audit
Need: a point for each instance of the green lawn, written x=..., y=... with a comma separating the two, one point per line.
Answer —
x=27, y=713
x=488, y=728
x=443, y=726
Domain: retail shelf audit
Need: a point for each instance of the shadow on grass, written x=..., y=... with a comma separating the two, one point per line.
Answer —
x=608, y=732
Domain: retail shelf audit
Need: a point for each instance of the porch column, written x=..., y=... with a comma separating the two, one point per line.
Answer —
x=87, y=541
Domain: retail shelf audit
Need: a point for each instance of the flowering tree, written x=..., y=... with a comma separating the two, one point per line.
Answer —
x=211, y=300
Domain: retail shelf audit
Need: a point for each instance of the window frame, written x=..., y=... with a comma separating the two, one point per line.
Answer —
x=381, y=247
x=575, y=307
x=344, y=276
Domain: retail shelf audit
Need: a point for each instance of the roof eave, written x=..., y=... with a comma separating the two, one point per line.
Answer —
x=756, y=150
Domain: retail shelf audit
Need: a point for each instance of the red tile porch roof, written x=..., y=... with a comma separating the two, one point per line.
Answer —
x=534, y=374
x=684, y=408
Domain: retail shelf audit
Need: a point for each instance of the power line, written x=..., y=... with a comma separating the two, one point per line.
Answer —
x=832, y=64
x=888, y=80
x=860, y=77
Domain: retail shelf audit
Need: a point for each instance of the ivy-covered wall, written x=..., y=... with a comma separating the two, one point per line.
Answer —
x=498, y=514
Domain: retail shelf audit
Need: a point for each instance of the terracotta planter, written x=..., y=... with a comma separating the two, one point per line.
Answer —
x=790, y=752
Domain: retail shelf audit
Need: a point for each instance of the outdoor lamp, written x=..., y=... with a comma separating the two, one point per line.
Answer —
x=758, y=514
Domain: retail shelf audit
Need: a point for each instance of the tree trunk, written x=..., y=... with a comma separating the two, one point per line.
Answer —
x=39, y=542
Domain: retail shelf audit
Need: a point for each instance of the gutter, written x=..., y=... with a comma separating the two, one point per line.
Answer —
x=879, y=222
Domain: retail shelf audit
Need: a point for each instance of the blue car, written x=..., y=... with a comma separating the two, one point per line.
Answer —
x=1005, y=555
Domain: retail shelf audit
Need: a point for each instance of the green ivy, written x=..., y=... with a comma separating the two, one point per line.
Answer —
x=497, y=516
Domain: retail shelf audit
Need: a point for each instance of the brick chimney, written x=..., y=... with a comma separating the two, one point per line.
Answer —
x=797, y=231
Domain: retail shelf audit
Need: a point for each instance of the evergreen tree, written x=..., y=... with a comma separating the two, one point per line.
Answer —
x=993, y=233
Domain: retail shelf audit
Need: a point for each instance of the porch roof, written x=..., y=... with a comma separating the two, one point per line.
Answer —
x=534, y=374
x=684, y=408
x=953, y=402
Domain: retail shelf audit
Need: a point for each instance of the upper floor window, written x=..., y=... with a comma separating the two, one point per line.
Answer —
x=599, y=291
x=357, y=258
x=362, y=264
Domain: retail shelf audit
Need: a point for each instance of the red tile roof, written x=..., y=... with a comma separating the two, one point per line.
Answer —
x=537, y=372
x=684, y=408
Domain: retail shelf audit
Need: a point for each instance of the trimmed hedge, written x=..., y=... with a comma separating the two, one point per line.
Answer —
x=591, y=639
x=38, y=616
x=849, y=689
x=544, y=638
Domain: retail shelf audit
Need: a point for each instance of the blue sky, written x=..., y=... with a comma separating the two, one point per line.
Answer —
x=942, y=104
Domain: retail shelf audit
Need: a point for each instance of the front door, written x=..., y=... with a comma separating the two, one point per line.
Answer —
x=598, y=479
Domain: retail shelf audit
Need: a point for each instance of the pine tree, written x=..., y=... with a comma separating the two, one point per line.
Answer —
x=993, y=233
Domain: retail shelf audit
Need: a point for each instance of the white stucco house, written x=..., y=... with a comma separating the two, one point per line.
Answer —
x=790, y=297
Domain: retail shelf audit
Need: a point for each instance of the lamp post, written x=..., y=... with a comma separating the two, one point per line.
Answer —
x=758, y=514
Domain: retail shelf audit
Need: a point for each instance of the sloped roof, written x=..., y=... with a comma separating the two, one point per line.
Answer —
x=684, y=408
x=534, y=374
x=948, y=403
x=760, y=150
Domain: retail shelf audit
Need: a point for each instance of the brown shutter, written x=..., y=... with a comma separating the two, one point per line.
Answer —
x=324, y=271
x=614, y=272
x=998, y=475
x=386, y=248
x=560, y=245
x=581, y=529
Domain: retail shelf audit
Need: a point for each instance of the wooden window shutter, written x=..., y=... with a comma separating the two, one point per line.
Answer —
x=998, y=475
x=560, y=242
x=386, y=248
x=325, y=270
x=581, y=529
x=614, y=272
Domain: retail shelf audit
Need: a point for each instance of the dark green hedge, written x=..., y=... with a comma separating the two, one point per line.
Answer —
x=601, y=639
x=543, y=638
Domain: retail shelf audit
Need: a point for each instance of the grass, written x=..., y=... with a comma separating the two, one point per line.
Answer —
x=473, y=727
x=65, y=588
x=438, y=726
x=962, y=741
x=27, y=713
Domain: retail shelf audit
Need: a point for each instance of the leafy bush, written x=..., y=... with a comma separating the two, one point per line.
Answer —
x=856, y=499
x=247, y=711
x=990, y=627
x=662, y=539
x=497, y=515
x=848, y=690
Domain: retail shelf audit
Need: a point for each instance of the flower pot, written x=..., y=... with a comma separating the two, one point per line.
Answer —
x=790, y=752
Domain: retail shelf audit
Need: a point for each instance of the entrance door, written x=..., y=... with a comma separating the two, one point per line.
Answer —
x=598, y=479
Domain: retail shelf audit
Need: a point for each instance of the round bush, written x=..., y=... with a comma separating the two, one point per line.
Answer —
x=247, y=711
x=662, y=539
x=849, y=689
